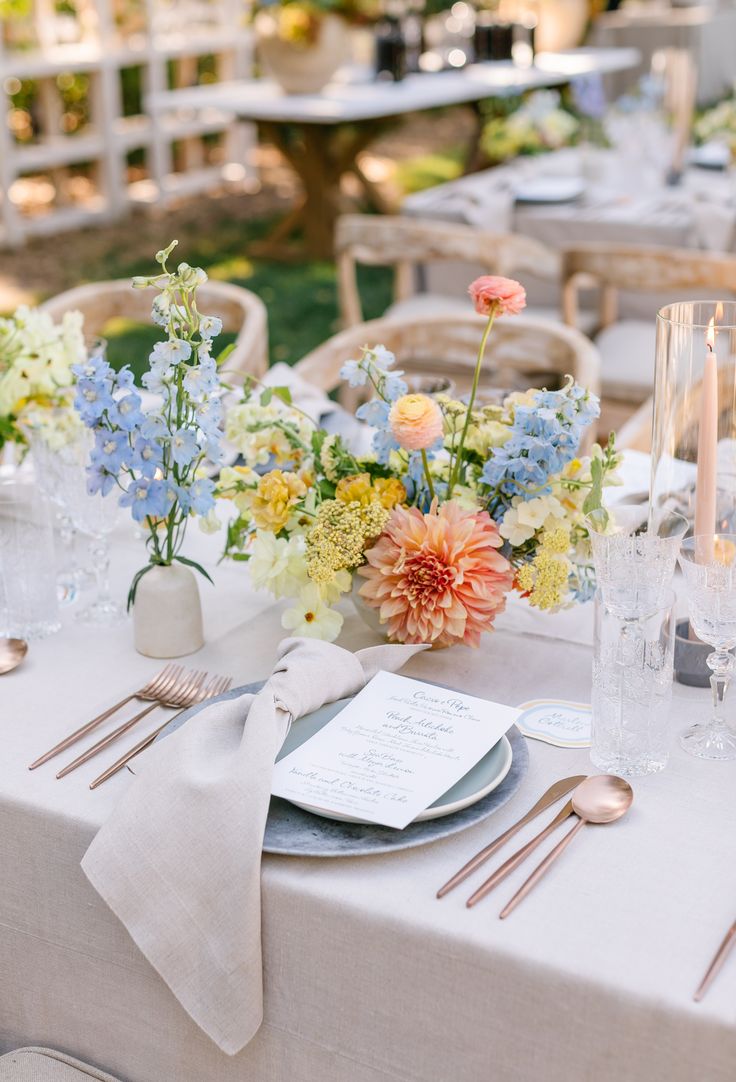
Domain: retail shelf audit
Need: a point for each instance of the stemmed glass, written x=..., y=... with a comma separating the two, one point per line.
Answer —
x=95, y=516
x=709, y=566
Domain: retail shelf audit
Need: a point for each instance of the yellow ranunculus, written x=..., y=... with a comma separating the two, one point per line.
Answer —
x=272, y=503
x=390, y=491
x=355, y=489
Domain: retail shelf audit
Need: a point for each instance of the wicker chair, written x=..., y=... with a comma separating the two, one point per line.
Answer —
x=408, y=243
x=627, y=347
x=522, y=351
x=238, y=308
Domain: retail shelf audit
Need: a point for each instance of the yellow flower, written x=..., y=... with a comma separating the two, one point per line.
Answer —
x=355, y=489
x=272, y=502
x=545, y=579
x=340, y=536
x=389, y=491
x=416, y=421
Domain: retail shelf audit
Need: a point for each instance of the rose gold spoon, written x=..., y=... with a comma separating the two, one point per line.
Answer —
x=600, y=799
x=12, y=652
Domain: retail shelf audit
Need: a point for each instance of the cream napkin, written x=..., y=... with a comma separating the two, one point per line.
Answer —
x=179, y=860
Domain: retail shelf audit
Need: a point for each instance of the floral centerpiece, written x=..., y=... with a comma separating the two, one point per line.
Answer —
x=718, y=124
x=36, y=378
x=532, y=125
x=157, y=457
x=457, y=505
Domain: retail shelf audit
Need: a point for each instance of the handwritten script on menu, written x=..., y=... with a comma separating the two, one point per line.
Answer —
x=397, y=747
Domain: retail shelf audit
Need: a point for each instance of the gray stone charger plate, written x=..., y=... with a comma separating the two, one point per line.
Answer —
x=293, y=832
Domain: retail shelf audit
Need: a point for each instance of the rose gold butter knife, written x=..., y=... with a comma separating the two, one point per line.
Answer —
x=555, y=792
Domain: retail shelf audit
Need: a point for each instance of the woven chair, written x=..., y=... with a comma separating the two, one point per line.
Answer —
x=627, y=346
x=238, y=308
x=409, y=243
x=522, y=351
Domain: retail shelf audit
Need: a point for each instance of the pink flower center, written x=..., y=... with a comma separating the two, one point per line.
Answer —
x=426, y=577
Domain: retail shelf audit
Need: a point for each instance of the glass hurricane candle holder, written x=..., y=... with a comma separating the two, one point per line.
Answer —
x=694, y=418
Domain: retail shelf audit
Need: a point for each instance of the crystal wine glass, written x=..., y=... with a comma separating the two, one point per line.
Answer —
x=95, y=516
x=709, y=566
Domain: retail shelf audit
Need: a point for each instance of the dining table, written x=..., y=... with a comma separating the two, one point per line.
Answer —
x=321, y=135
x=368, y=977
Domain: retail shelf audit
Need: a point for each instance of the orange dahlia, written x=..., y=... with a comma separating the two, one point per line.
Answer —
x=437, y=577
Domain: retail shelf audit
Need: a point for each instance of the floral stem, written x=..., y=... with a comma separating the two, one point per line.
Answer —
x=427, y=474
x=471, y=402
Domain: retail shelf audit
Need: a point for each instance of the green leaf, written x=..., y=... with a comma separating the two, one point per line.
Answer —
x=224, y=354
x=266, y=396
x=594, y=499
x=134, y=584
x=284, y=394
x=241, y=557
x=195, y=565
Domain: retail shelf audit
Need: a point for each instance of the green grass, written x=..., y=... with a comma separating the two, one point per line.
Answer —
x=427, y=170
x=301, y=298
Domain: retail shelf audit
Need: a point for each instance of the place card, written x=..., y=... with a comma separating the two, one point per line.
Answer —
x=398, y=746
x=556, y=721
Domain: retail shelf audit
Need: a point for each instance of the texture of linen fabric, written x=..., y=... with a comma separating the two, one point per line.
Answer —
x=179, y=861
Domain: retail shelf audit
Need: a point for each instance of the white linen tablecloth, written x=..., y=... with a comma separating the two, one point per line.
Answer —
x=367, y=977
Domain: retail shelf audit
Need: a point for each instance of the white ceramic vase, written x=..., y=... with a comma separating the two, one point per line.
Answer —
x=167, y=615
x=302, y=69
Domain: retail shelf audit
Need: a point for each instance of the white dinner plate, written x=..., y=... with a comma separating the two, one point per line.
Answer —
x=549, y=190
x=481, y=779
x=710, y=156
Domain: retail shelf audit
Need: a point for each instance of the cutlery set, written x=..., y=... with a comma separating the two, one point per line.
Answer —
x=174, y=687
x=600, y=799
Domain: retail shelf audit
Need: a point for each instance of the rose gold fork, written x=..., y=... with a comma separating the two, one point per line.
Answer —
x=152, y=690
x=183, y=693
x=217, y=686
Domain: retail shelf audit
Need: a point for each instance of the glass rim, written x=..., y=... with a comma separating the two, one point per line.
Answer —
x=664, y=315
x=669, y=605
x=670, y=513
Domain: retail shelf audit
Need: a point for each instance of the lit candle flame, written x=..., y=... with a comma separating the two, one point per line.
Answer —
x=710, y=336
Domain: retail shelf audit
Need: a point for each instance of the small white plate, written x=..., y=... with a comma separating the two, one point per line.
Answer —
x=710, y=156
x=480, y=780
x=549, y=190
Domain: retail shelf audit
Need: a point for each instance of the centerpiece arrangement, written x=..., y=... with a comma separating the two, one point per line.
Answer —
x=302, y=43
x=157, y=457
x=457, y=505
x=36, y=378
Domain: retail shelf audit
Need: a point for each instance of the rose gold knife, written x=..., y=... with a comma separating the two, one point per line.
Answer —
x=521, y=855
x=720, y=957
x=559, y=789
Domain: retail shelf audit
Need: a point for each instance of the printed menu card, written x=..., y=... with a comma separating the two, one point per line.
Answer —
x=392, y=751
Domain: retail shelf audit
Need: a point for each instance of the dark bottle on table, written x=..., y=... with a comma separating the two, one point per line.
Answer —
x=390, y=49
x=413, y=31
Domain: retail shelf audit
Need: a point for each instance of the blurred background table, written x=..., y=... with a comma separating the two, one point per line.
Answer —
x=321, y=135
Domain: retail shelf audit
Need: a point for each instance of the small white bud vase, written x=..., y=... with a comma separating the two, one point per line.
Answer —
x=167, y=615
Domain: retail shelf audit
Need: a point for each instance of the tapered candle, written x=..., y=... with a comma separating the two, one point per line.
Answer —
x=705, y=489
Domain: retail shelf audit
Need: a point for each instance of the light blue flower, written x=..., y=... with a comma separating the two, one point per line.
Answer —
x=148, y=498
x=354, y=373
x=210, y=326
x=93, y=397
x=124, y=380
x=111, y=450
x=201, y=380
x=157, y=378
x=171, y=352
x=383, y=444
x=184, y=446
x=382, y=357
x=201, y=495
x=154, y=427
x=127, y=413
x=147, y=457
x=95, y=367
x=374, y=413
x=99, y=479
x=394, y=387
x=208, y=416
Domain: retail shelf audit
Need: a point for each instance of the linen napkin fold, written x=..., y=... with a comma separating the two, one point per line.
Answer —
x=179, y=860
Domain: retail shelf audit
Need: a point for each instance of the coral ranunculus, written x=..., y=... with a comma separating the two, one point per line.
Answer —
x=437, y=577
x=507, y=296
x=416, y=421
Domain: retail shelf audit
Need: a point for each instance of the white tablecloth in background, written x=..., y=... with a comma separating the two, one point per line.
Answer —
x=368, y=978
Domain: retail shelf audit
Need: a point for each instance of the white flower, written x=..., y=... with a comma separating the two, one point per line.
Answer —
x=525, y=517
x=341, y=583
x=311, y=618
x=277, y=564
x=209, y=523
